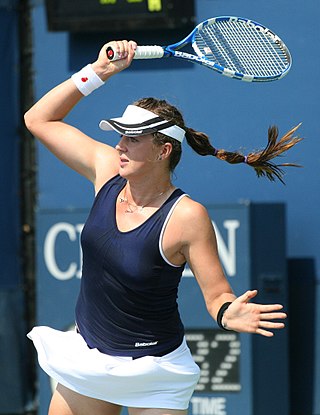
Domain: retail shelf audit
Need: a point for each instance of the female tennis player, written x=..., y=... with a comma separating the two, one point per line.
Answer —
x=129, y=347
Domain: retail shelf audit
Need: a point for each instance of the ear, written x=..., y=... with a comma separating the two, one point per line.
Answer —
x=166, y=150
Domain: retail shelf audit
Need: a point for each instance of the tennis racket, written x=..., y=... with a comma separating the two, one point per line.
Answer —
x=232, y=46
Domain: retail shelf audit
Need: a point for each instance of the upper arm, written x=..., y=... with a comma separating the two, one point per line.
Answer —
x=80, y=152
x=201, y=253
x=77, y=150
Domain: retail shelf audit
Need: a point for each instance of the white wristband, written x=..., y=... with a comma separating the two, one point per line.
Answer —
x=86, y=80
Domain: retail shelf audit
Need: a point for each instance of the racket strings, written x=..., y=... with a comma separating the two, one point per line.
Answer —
x=241, y=48
x=249, y=47
x=240, y=45
x=244, y=52
x=266, y=47
x=257, y=45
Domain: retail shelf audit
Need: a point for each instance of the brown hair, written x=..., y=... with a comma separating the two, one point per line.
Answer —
x=260, y=160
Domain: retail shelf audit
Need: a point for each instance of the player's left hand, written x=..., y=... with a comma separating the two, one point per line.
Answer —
x=243, y=316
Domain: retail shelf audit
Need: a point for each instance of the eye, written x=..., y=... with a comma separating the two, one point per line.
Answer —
x=129, y=138
x=133, y=139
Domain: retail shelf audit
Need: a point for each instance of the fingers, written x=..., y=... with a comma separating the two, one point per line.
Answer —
x=268, y=325
x=273, y=316
x=271, y=325
x=264, y=325
x=264, y=328
x=262, y=308
x=264, y=333
x=105, y=67
x=264, y=320
x=246, y=316
x=269, y=308
x=247, y=296
x=122, y=49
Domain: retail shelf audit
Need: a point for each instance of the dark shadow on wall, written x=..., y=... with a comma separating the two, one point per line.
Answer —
x=301, y=313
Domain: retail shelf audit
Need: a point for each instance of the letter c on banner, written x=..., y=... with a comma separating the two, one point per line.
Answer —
x=49, y=251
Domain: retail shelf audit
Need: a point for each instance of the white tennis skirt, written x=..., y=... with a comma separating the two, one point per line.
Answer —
x=146, y=382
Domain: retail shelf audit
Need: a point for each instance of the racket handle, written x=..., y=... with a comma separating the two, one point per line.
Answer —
x=142, y=52
x=148, y=52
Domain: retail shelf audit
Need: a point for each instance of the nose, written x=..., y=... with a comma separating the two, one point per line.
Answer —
x=121, y=146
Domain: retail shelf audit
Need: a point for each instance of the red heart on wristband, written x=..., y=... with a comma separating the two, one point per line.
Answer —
x=84, y=79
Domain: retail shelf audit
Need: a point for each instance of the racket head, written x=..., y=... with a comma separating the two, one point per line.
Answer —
x=241, y=48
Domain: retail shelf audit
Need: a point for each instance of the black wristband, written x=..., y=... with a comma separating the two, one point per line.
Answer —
x=220, y=314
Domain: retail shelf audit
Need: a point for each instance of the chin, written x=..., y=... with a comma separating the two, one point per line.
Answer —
x=124, y=174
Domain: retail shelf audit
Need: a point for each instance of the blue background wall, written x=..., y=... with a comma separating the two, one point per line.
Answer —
x=236, y=115
x=9, y=156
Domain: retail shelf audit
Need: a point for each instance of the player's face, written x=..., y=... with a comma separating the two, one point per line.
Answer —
x=137, y=154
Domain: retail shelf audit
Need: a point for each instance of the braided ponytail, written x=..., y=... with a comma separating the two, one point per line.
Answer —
x=260, y=160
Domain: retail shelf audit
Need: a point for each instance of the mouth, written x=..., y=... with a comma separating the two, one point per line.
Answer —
x=123, y=161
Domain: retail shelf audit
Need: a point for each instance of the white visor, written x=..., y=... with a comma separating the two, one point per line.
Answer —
x=139, y=121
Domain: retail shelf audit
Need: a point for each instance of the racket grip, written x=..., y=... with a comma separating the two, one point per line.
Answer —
x=142, y=52
x=149, y=52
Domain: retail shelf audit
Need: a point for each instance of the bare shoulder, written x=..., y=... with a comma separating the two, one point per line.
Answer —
x=189, y=212
x=190, y=209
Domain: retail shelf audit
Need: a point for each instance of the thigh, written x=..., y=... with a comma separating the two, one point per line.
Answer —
x=154, y=411
x=66, y=402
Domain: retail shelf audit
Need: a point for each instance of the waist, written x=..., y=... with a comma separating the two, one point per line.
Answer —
x=114, y=344
x=163, y=352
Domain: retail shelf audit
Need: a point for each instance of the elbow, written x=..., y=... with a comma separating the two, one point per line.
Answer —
x=28, y=121
x=32, y=122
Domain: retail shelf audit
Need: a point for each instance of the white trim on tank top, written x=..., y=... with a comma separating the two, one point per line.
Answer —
x=164, y=227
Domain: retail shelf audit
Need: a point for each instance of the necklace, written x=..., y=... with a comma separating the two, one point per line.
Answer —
x=132, y=208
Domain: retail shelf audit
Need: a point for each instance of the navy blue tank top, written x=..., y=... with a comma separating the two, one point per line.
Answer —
x=127, y=303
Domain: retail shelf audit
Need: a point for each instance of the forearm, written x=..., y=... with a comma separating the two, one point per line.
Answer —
x=57, y=103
